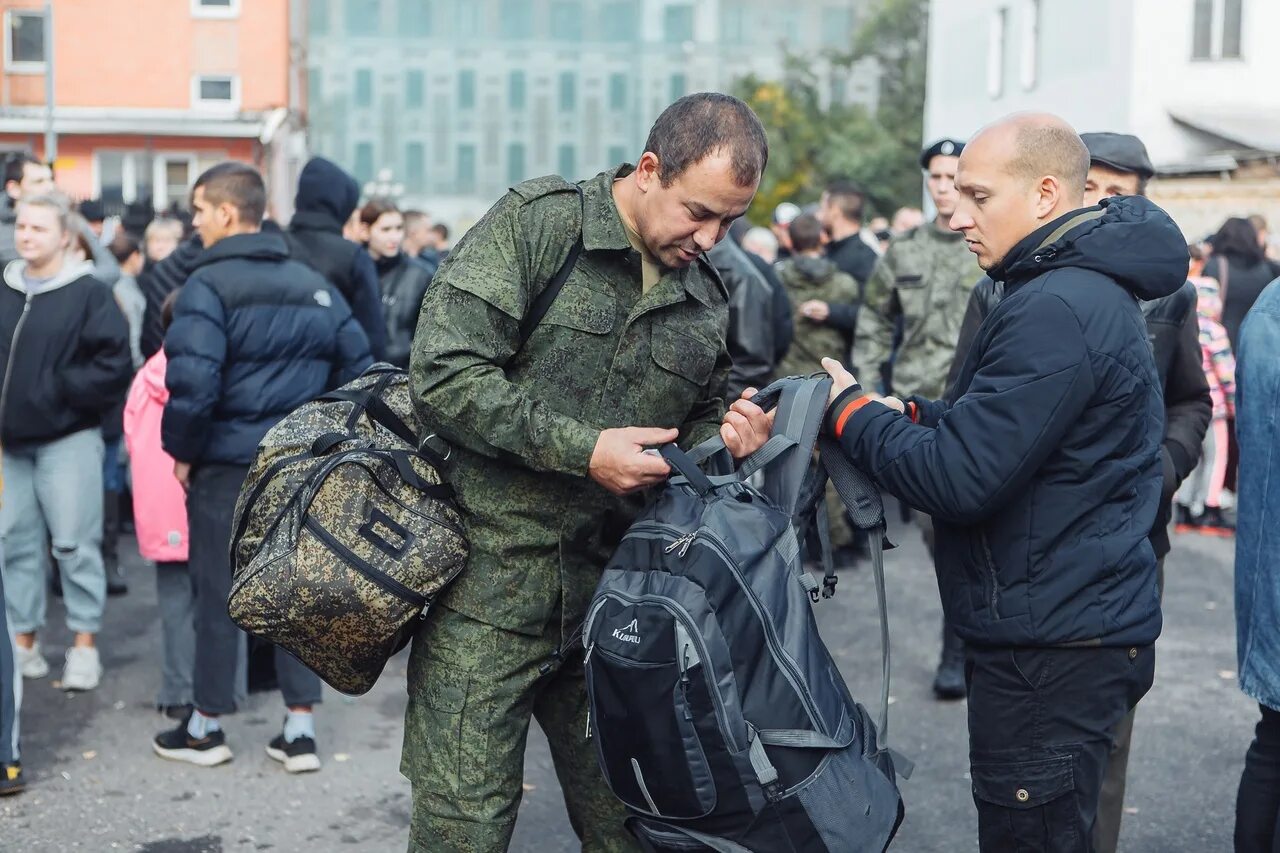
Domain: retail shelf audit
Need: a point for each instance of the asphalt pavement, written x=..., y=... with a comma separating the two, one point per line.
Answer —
x=96, y=786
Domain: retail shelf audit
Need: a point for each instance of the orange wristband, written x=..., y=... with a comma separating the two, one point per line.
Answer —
x=848, y=412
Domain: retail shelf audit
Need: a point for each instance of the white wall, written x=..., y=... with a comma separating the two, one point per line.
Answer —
x=1085, y=52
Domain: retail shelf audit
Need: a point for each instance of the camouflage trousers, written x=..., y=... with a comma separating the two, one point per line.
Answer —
x=472, y=691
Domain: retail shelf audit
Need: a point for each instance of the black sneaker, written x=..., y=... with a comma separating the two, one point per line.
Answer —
x=175, y=712
x=297, y=756
x=11, y=779
x=177, y=745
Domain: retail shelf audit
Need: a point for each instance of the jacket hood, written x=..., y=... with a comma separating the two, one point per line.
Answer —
x=1126, y=238
x=261, y=246
x=152, y=377
x=815, y=270
x=70, y=272
x=326, y=195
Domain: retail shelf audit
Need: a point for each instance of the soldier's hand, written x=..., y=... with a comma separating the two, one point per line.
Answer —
x=815, y=310
x=620, y=464
x=746, y=427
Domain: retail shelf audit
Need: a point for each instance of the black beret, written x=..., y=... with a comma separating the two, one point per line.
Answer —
x=944, y=148
x=1123, y=152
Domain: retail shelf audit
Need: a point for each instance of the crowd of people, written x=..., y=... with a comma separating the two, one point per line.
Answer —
x=1034, y=389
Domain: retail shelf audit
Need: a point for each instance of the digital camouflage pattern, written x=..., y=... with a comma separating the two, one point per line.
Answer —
x=925, y=279
x=815, y=278
x=523, y=426
x=319, y=599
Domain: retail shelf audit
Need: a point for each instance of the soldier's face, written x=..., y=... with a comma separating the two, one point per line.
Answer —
x=681, y=221
x=942, y=183
x=1104, y=182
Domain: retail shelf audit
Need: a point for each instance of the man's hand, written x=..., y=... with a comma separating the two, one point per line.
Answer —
x=182, y=470
x=746, y=427
x=815, y=310
x=620, y=464
x=842, y=378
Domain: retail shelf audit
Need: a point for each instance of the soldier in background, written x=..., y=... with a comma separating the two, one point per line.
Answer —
x=923, y=283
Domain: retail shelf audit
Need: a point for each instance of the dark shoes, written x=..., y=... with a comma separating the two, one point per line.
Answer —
x=178, y=745
x=11, y=779
x=297, y=756
x=175, y=712
x=1212, y=522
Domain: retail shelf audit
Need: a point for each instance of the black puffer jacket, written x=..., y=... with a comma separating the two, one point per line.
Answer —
x=1043, y=476
x=65, y=355
x=157, y=281
x=326, y=198
x=751, y=323
x=1174, y=332
x=404, y=282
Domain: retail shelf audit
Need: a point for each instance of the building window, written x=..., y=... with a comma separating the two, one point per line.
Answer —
x=24, y=42
x=467, y=17
x=1031, y=44
x=568, y=91
x=215, y=90
x=837, y=27
x=415, y=167
x=566, y=164
x=515, y=163
x=364, y=87
x=679, y=86
x=617, y=92
x=363, y=165
x=415, y=88
x=733, y=22
x=1217, y=29
x=415, y=18
x=517, y=19
x=466, y=90
x=619, y=21
x=677, y=24
x=363, y=17
x=995, y=53
x=516, y=90
x=318, y=18
x=566, y=20
x=215, y=8
x=617, y=155
x=466, y=168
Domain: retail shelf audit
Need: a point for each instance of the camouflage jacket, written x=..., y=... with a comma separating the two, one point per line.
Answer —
x=924, y=279
x=523, y=425
x=815, y=278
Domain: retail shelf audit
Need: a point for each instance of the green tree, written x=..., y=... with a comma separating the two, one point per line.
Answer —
x=811, y=143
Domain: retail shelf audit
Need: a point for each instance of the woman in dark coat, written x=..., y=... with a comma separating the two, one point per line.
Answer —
x=402, y=280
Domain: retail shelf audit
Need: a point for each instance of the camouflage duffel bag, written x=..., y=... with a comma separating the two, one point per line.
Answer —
x=345, y=532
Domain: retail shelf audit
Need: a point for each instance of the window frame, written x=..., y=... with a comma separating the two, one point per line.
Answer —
x=215, y=104
x=997, y=38
x=16, y=66
x=1218, y=32
x=1032, y=29
x=199, y=10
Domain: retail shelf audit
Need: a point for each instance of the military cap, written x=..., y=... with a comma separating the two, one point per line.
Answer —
x=941, y=148
x=1123, y=152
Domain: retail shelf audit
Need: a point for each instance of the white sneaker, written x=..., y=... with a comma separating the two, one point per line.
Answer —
x=31, y=663
x=83, y=669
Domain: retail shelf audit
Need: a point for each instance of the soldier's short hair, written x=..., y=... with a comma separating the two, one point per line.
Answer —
x=848, y=198
x=806, y=232
x=701, y=124
x=237, y=184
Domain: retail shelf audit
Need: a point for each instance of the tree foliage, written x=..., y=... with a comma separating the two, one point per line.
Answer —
x=813, y=140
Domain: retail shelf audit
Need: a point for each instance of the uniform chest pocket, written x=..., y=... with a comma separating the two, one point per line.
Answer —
x=583, y=309
x=683, y=355
x=909, y=281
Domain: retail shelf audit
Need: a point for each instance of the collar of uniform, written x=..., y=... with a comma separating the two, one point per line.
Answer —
x=602, y=226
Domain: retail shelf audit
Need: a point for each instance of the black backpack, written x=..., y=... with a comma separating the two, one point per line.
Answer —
x=719, y=716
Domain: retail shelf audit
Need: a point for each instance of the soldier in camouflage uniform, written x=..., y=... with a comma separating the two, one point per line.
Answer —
x=548, y=445
x=923, y=282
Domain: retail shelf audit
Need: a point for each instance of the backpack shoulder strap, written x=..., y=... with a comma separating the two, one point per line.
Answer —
x=542, y=304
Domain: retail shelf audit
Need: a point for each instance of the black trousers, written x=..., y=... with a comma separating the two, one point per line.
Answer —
x=211, y=505
x=1258, y=802
x=1041, y=727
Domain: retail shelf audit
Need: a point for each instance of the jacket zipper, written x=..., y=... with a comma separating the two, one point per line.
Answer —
x=389, y=584
x=675, y=608
x=13, y=352
x=991, y=572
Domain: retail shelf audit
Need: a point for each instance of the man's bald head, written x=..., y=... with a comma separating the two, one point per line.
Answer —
x=1016, y=175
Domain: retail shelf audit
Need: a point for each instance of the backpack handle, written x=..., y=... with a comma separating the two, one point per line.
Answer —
x=687, y=467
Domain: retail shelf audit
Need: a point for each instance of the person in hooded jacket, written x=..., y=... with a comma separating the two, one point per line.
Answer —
x=65, y=362
x=1043, y=474
x=402, y=279
x=326, y=199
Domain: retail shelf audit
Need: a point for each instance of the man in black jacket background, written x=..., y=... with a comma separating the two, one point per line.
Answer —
x=1043, y=474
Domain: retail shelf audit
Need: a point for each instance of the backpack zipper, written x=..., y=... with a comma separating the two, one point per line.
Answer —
x=365, y=568
x=13, y=351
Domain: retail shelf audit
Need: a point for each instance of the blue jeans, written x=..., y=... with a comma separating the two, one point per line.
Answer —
x=53, y=493
x=10, y=689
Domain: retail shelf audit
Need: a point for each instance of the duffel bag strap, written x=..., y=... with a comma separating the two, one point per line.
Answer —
x=372, y=405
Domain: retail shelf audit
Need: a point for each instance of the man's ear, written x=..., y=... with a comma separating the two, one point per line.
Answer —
x=13, y=189
x=1048, y=192
x=647, y=171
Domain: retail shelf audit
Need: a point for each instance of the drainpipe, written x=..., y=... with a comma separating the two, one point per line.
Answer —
x=50, y=137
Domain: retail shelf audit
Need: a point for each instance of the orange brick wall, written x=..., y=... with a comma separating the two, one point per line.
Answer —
x=143, y=54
